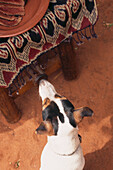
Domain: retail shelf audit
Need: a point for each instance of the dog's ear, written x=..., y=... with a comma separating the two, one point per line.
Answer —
x=45, y=128
x=80, y=113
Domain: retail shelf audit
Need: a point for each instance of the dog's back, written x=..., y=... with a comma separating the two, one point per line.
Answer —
x=51, y=160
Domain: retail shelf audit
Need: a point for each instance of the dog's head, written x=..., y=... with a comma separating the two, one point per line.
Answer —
x=59, y=115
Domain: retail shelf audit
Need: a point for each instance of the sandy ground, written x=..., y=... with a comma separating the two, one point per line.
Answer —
x=20, y=148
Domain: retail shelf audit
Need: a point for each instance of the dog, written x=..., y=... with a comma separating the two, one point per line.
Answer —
x=60, y=124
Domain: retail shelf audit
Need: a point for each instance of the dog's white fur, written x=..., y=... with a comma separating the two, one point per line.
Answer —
x=63, y=151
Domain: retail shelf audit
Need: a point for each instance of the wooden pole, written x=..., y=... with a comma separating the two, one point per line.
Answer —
x=67, y=56
x=8, y=107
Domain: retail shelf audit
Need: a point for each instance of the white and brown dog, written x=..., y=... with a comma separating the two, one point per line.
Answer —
x=60, y=120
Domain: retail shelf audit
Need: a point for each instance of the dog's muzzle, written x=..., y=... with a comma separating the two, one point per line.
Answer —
x=40, y=77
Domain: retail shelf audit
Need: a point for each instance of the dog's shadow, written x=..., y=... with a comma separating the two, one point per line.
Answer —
x=101, y=159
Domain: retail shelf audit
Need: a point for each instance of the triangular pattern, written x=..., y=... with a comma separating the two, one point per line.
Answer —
x=62, y=19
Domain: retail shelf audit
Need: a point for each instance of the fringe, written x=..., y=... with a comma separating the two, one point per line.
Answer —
x=32, y=71
x=82, y=34
x=20, y=81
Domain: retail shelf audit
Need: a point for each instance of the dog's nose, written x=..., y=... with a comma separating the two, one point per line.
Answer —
x=42, y=82
x=41, y=77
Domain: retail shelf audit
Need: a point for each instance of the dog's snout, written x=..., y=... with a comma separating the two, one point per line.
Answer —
x=41, y=77
x=46, y=90
x=42, y=82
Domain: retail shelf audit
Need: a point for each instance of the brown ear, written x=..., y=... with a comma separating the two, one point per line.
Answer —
x=80, y=113
x=45, y=128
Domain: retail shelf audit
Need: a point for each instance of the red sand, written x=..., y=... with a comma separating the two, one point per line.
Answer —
x=20, y=148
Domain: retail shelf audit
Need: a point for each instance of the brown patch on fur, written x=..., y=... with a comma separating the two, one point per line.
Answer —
x=77, y=115
x=82, y=112
x=57, y=96
x=45, y=103
x=45, y=128
x=49, y=128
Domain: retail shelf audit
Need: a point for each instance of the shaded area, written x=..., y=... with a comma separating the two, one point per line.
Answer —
x=93, y=87
x=101, y=159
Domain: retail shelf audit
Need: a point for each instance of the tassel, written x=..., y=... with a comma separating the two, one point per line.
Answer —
x=92, y=31
x=81, y=42
x=82, y=36
x=17, y=92
x=19, y=85
x=10, y=91
x=78, y=43
x=85, y=34
x=43, y=66
x=28, y=75
x=23, y=82
x=32, y=68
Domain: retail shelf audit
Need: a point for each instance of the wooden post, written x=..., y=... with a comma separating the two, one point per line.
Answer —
x=67, y=56
x=8, y=107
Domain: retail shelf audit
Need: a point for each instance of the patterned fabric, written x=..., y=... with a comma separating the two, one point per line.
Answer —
x=62, y=19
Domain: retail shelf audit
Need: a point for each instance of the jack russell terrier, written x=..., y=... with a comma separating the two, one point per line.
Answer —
x=60, y=124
